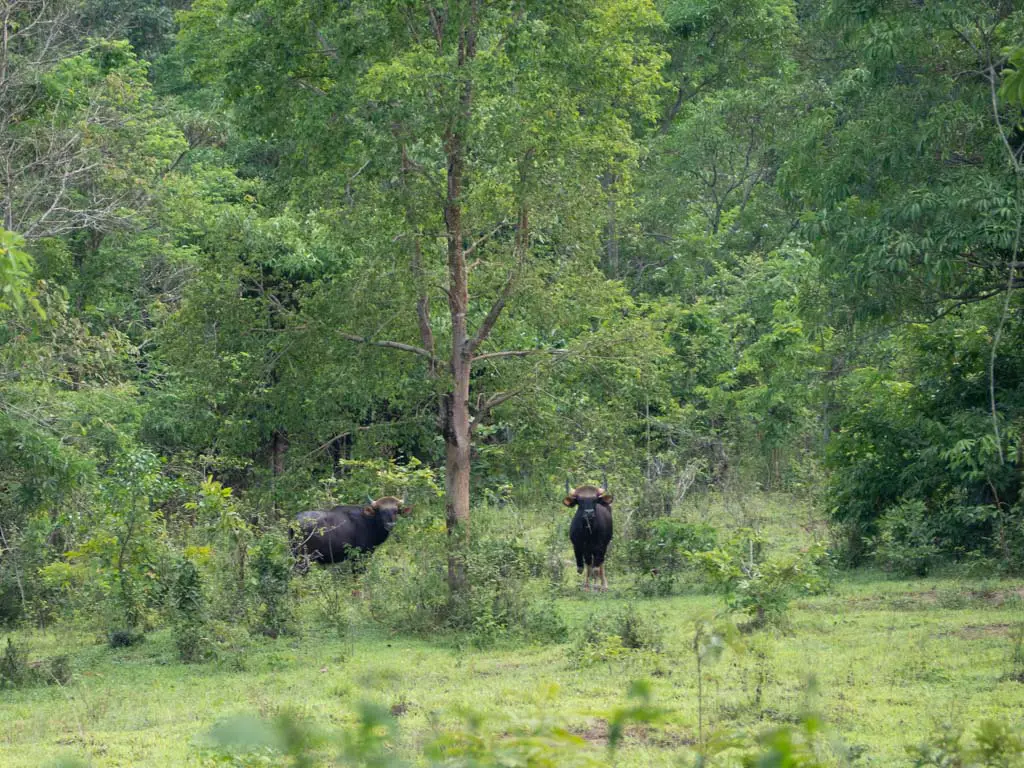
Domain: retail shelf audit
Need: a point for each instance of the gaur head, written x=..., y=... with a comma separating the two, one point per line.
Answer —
x=386, y=510
x=587, y=497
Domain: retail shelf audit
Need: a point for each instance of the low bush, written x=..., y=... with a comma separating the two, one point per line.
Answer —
x=907, y=540
x=657, y=552
x=327, y=594
x=272, y=567
x=124, y=638
x=17, y=671
x=759, y=585
x=607, y=636
x=506, y=596
x=189, y=624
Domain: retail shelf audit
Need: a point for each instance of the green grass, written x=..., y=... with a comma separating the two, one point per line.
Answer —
x=893, y=661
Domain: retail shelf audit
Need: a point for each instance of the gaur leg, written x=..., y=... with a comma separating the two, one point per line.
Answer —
x=599, y=567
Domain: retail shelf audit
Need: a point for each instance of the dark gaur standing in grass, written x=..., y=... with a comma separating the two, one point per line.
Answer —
x=327, y=536
x=591, y=530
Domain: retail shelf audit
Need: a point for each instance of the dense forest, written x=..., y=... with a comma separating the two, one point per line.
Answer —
x=752, y=268
x=259, y=256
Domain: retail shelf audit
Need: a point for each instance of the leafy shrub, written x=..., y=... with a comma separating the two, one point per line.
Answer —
x=918, y=431
x=758, y=585
x=15, y=671
x=543, y=623
x=229, y=644
x=124, y=638
x=272, y=566
x=906, y=540
x=502, y=600
x=360, y=478
x=58, y=669
x=657, y=552
x=327, y=593
x=408, y=593
x=497, y=601
x=994, y=744
x=610, y=635
x=222, y=522
x=189, y=613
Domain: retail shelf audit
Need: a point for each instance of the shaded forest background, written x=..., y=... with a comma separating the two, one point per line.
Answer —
x=716, y=245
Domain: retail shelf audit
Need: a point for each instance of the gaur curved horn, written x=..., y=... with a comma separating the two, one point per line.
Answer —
x=567, y=491
x=370, y=500
x=604, y=480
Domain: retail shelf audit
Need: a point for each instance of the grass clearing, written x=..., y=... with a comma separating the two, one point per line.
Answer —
x=892, y=660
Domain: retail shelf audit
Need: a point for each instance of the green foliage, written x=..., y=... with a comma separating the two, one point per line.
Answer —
x=272, y=566
x=919, y=429
x=405, y=582
x=16, y=671
x=329, y=592
x=1012, y=89
x=373, y=478
x=993, y=743
x=219, y=519
x=614, y=635
x=758, y=584
x=906, y=540
x=657, y=552
x=189, y=611
x=15, y=272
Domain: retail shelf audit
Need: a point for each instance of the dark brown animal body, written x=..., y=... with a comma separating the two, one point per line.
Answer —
x=591, y=530
x=331, y=535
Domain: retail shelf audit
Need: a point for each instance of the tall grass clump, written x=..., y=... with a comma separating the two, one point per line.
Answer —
x=610, y=635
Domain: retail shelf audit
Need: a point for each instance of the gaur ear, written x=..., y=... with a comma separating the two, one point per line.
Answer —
x=369, y=511
x=405, y=511
x=606, y=497
x=569, y=501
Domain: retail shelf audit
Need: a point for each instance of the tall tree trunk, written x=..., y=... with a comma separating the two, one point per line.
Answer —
x=456, y=425
x=456, y=484
x=456, y=402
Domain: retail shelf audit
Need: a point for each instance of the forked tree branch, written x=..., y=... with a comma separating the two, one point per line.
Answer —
x=484, y=238
x=484, y=410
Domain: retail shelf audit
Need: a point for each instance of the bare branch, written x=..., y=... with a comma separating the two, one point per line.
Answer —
x=517, y=353
x=484, y=238
x=521, y=243
x=391, y=345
